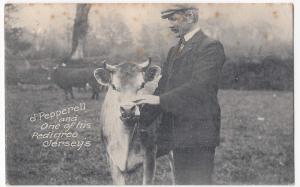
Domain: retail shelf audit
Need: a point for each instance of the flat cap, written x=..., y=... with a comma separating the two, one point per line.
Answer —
x=178, y=8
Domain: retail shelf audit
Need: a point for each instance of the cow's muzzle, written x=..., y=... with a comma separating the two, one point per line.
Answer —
x=130, y=114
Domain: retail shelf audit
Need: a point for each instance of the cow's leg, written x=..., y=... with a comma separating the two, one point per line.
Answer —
x=149, y=164
x=97, y=95
x=66, y=94
x=71, y=92
x=93, y=95
x=117, y=176
x=171, y=161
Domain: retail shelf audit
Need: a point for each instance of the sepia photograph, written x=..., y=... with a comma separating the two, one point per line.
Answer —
x=149, y=93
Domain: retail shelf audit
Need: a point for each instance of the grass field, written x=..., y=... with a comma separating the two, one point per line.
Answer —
x=256, y=141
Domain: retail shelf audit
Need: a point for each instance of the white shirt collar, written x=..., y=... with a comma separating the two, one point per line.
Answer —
x=190, y=34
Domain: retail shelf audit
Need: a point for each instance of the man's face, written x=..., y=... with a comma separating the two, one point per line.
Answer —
x=180, y=24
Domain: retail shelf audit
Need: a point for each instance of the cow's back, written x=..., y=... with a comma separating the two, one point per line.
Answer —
x=72, y=77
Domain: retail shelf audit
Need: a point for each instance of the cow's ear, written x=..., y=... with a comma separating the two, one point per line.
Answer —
x=152, y=73
x=102, y=76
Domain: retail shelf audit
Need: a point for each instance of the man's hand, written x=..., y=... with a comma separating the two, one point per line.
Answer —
x=146, y=99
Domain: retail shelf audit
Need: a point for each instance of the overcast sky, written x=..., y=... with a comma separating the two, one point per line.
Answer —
x=43, y=16
x=54, y=17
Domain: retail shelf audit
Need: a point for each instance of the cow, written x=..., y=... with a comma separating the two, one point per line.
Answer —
x=129, y=144
x=67, y=77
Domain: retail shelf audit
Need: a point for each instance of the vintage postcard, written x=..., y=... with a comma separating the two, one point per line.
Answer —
x=164, y=94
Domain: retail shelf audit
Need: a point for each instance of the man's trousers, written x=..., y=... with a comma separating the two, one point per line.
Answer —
x=194, y=165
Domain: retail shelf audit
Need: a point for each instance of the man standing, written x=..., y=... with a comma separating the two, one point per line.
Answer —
x=187, y=97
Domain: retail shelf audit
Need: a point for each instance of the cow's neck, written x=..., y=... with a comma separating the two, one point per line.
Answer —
x=116, y=132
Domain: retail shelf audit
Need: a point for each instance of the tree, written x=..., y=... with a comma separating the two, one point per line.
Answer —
x=9, y=19
x=14, y=43
x=115, y=38
x=80, y=31
x=153, y=43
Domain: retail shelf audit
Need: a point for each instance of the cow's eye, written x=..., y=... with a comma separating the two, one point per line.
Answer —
x=113, y=87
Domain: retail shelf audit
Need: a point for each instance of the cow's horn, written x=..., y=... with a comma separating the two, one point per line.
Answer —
x=110, y=67
x=143, y=66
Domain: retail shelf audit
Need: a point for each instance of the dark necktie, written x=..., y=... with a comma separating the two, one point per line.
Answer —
x=181, y=44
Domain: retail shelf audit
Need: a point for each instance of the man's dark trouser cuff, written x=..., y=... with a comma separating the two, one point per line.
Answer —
x=194, y=165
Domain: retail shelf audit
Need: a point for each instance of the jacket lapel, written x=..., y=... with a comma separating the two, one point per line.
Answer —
x=184, y=50
x=198, y=37
x=175, y=55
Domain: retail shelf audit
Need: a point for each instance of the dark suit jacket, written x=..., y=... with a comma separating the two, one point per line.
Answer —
x=188, y=94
